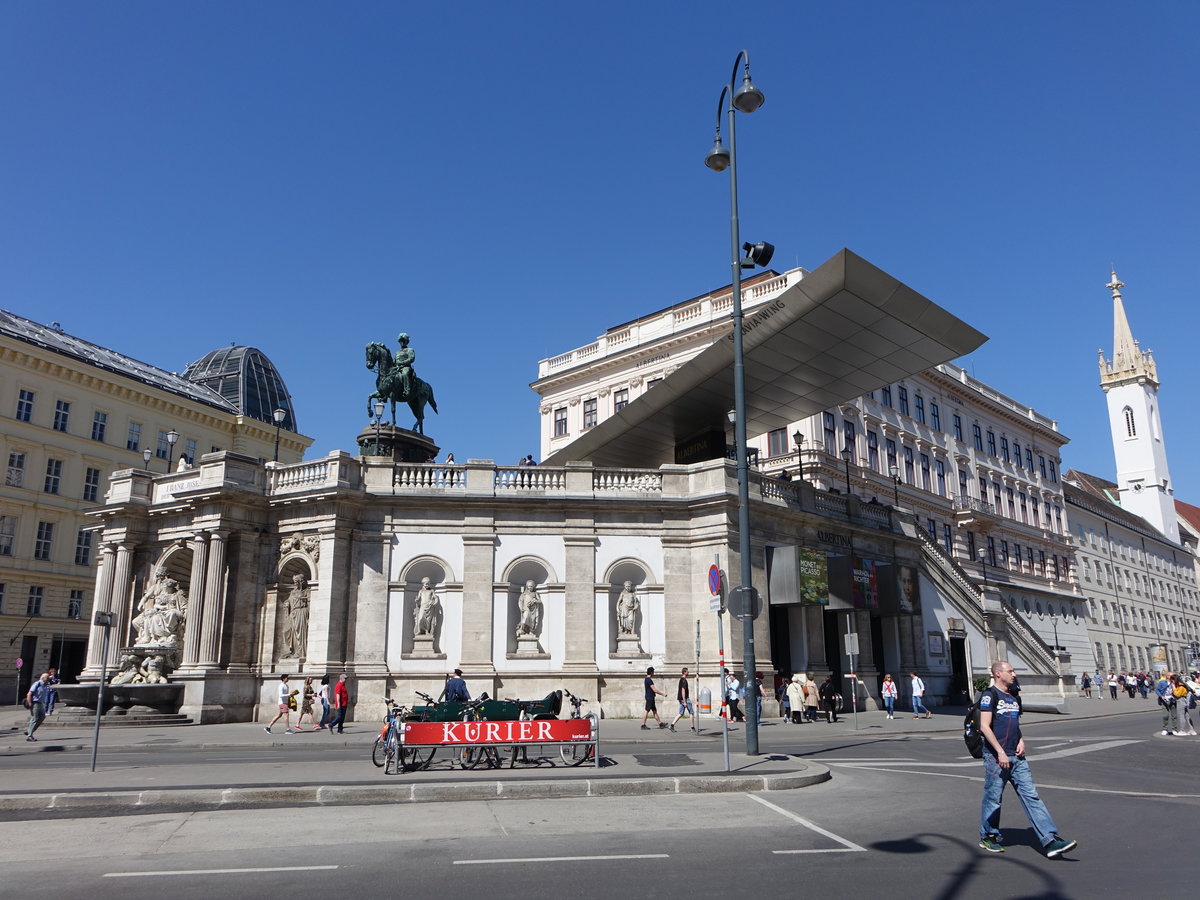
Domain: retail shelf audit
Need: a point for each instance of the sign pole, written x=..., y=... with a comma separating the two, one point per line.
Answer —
x=103, y=619
x=852, y=652
x=20, y=662
x=714, y=586
x=696, y=692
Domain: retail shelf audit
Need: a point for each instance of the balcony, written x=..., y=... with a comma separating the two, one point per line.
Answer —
x=971, y=512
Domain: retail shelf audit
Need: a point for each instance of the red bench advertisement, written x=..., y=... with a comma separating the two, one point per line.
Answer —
x=527, y=731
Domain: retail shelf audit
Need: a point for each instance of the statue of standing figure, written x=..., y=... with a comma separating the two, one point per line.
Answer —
x=296, y=605
x=426, y=609
x=530, y=606
x=627, y=608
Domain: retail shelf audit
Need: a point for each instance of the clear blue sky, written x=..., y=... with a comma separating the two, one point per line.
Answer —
x=506, y=181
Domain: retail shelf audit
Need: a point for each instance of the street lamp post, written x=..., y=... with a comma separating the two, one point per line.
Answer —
x=846, y=454
x=798, y=438
x=745, y=99
x=983, y=565
x=379, y=407
x=279, y=415
x=146, y=454
x=172, y=437
x=894, y=471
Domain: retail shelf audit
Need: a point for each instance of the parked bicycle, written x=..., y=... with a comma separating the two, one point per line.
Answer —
x=578, y=754
x=389, y=752
x=470, y=756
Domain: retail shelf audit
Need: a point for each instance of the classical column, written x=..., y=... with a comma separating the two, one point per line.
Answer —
x=121, y=602
x=103, y=601
x=196, y=605
x=580, y=602
x=214, y=603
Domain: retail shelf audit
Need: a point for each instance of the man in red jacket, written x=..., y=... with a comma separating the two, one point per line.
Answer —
x=341, y=702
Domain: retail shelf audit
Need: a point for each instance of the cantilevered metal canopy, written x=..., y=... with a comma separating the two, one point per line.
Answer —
x=845, y=329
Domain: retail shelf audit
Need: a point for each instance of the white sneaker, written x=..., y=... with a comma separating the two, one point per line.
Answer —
x=1192, y=732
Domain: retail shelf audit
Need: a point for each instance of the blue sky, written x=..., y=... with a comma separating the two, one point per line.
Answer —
x=506, y=181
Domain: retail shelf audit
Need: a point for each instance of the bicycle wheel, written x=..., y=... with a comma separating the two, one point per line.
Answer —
x=377, y=753
x=578, y=754
x=391, y=754
x=416, y=758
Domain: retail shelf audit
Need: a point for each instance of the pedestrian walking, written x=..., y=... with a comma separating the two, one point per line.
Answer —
x=733, y=696
x=918, y=696
x=1004, y=763
x=1113, y=684
x=35, y=702
x=811, y=698
x=795, y=696
x=1098, y=683
x=307, y=697
x=829, y=698
x=1085, y=685
x=1185, y=701
x=52, y=694
x=684, y=697
x=890, y=693
x=341, y=705
x=1165, y=691
x=323, y=697
x=651, y=690
x=284, y=695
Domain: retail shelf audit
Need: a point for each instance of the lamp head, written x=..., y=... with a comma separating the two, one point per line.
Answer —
x=279, y=415
x=172, y=437
x=146, y=454
x=718, y=157
x=846, y=454
x=379, y=405
x=894, y=471
x=798, y=437
x=748, y=98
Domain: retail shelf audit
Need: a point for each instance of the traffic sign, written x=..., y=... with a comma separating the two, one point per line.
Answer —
x=20, y=662
x=851, y=643
x=714, y=580
x=745, y=603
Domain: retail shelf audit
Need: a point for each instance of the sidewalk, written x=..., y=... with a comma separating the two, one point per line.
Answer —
x=649, y=762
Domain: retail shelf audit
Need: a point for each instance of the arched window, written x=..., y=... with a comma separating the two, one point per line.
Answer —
x=1130, y=427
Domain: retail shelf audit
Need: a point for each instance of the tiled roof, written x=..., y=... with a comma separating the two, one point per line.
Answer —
x=1099, y=495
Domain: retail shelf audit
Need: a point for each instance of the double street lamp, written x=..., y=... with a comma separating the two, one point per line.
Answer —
x=746, y=99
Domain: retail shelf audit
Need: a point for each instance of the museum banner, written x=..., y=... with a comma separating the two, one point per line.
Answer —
x=864, y=584
x=814, y=576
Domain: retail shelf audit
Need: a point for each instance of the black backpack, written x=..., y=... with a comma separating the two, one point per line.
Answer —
x=972, y=736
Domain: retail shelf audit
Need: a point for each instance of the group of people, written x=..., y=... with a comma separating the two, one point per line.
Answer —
x=335, y=702
x=40, y=700
x=1178, y=694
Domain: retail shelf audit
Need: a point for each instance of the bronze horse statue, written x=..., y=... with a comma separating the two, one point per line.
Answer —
x=389, y=387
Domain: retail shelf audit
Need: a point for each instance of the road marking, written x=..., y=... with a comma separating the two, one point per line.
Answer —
x=826, y=759
x=1052, y=787
x=1040, y=757
x=849, y=846
x=552, y=859
x=163, y=872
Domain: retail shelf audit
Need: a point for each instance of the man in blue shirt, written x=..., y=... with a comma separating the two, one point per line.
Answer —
x=456, y=688
x=1004, y=763
x=35, y=701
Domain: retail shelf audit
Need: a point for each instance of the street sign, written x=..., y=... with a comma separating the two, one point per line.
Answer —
x=851, y=644
x=20, y=662
x=745, y=603
x=714, y=581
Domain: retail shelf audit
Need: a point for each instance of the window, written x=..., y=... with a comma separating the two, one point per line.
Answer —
x=1012, y=505
x=777, y=443
x=1042, y=563
x=957, y=427
x=8, y=529
x=991, y=550
x=886, y=393
x=948, y=539
x=919, y=403
x=83, y=548
x=873, y=450
x=652, y=382
x=16, y=470
x=909, y=470
x=134, y=440
x=935, y=416
x=1029, y=557
x=1029, y=458
x=1057, y=574
x=939, y=466
x=25, y=405
x=75, y=605
x=1017, y=453
x=589, y=413
x=890, y=445
x=983, y=495
x=163, y=450
x=560, y=421
x=91, y=485
x=996, y=496
x=620, y=399
x=1036, y=507
x=830, y=433
x=926, y=481
x=1004, y=449
x=1130, y=427
x=62, y=415
x=1024, y=508
x=33, y=607
x=991, y=441
x=99, y=426
x=977, y=437
x=189, y=451
x=902, y=393
x=962, y=483
x=1004, y=553
x=1017, y=556
x=1053, y=473
x=1058, y=519
x=931, y=529
x=1042, y=465
x=43, y=544
x=850, y=439
x=53, y=476
x=2, y=590
x=971, y=555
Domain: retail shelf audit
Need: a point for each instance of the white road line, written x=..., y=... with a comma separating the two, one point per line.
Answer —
x=159, y=872
x=812, y=826
x=1038, y=757
x=826, y=850
x=1049, y=787
x=825, y=759
x=554, y=859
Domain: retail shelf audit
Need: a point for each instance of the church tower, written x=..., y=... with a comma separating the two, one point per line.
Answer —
x=1130, y=384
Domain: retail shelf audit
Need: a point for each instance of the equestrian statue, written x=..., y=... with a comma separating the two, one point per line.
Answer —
x=395, y=381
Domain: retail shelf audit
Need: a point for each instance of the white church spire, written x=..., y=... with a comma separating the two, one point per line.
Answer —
x=1130, y=385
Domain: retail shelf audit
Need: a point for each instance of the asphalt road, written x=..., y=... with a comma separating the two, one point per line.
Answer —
x=899, y=820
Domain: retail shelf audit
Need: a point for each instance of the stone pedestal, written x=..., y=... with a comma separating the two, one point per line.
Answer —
x=629, y=646
x=399, y=444
x=423, y=648
x=529, y=648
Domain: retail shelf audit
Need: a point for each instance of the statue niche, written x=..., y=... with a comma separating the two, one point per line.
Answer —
x=628, y=615
x=530, y=615
x=296, y=606
x=427, y=618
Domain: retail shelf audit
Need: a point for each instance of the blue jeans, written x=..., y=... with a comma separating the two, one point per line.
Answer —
x=919, y=706
x=890, y=704
x=324, y=714
x=994, y=780
x=339, y=718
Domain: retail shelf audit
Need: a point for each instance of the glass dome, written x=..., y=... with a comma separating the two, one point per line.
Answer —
x=245, y=377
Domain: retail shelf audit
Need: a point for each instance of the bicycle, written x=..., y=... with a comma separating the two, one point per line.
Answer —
x=389, y=753
x=578, y=754
x=470, y=756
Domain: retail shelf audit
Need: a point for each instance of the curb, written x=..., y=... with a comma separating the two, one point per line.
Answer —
x=154, y=800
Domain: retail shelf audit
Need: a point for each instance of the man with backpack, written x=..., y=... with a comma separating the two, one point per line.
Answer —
x=1004, y=763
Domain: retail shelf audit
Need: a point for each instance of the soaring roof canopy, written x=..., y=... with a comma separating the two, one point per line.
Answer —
x=845, y=329
x=244, y=377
